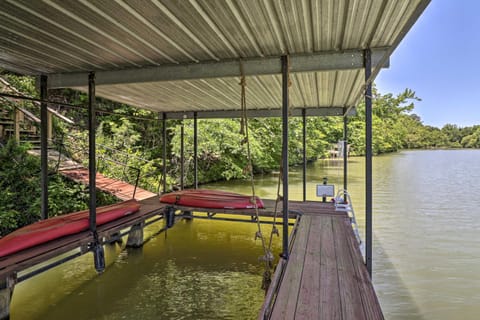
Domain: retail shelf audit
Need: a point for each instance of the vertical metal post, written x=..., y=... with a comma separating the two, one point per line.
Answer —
x=195, y=150
x=44, y=147
x=304, y=142
x=50, y=125
x=368, y=161
x=18, y=116
x=182, y=154
x=98, y=254
x=345, y=155
x=285, y=83
x=164, y=136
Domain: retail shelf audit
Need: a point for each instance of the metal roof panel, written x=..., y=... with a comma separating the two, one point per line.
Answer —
x=69, y=36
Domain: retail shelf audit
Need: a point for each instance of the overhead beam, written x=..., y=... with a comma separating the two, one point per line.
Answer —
x=260, y=113
x=320, y=61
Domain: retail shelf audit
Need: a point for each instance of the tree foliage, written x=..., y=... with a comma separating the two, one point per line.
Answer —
x=20, y=185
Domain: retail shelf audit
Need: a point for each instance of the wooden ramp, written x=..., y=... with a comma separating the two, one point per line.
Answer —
x=325, y=277
x=78, y=173
x=119, y=189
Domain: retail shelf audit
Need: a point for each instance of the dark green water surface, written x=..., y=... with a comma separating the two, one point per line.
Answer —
x=426, y=251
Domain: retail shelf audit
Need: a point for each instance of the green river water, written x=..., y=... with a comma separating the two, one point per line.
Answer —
x=426, y=251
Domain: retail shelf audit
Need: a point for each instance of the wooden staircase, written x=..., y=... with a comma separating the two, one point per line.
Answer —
x=20, y=124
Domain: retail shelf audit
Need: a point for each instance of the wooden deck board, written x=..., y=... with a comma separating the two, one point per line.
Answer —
x=290, y=286
x=349, y=293
x=308, y=303
x=120, y=189
x=325, y=277
x=330, y=306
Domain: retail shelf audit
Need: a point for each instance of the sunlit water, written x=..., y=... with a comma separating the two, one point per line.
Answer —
x=426, y=251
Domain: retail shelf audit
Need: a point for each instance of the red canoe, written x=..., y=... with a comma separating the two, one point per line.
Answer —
x=211, y=199
x=60, y=226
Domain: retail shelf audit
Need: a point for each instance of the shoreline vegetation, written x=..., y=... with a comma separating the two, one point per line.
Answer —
x=133, y=139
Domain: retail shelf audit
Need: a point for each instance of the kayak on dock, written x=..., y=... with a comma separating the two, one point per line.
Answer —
x=56, y=227
x=211, y=199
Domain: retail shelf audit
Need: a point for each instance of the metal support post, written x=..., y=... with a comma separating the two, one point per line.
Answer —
x=44, y=147
x=325, y=181
x=304, y=142
x=368, y=161
x=170, y=217
x=97, y=248
x=18, y=118
x=164, y=136
x=182, y=155
x=50, y=124
x=345, y=155
x=195, y=150
x=285, y=84
x=7, y=287
x=135, y=236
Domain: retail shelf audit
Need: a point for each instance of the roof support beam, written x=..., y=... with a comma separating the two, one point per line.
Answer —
x=261, y=113
x=320, y=61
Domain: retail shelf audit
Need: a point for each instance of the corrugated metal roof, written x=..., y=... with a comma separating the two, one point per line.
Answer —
x=78, y=36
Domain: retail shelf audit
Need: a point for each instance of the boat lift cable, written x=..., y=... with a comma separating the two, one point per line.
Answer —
x=267, y=257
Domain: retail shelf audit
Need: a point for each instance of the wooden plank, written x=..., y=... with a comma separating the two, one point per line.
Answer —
x=330, y=306
x=371, y=305
x=308, y=305
x=118, y=188
x=352, y=306
x=286, y=302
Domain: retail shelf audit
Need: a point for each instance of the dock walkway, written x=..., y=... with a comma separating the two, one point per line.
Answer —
x=325, y=276
x=120, y=189
x=78, y=173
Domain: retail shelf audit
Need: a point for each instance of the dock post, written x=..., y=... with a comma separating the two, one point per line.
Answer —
x=195, y=150
x=6, y=293
x=182, y=155
x=187, y=215
x=368, y=161
x=304, y=143
x=44, y=125
x=285, y=84
x=164, y=151
x=345, y=155
x=18, y=117
x=135, y=236
x=96, y=247
x=170, y=217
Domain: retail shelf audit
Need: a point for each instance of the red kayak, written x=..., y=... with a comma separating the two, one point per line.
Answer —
x=60, y=226
x=211, y=199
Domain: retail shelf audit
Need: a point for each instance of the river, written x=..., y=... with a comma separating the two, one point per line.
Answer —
x=426, y=251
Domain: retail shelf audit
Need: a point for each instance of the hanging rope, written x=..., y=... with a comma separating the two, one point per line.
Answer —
x=280, y=176
x=268, y=256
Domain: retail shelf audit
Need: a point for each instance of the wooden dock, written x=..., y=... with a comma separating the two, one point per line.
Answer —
x=325, y=276
x=78, y=173
x=120, y=189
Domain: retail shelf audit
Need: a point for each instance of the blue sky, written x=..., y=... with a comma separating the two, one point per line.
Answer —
x=440, y=60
